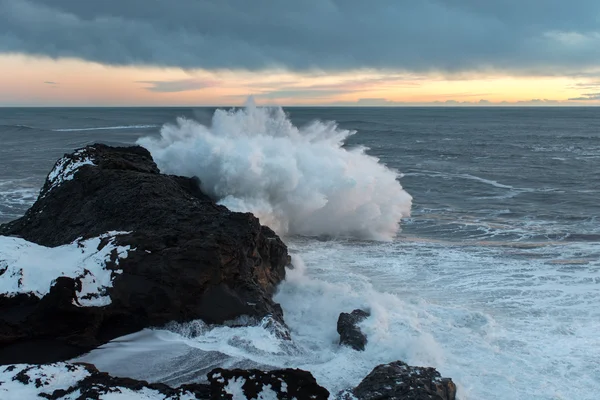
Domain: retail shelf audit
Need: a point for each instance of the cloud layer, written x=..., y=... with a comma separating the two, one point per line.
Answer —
x=529, y=36
x=181, y=85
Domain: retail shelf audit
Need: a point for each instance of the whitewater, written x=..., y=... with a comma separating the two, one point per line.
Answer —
x=296, y=181
x=488, y=270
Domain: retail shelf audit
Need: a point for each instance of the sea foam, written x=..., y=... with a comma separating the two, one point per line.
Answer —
x=296, y=180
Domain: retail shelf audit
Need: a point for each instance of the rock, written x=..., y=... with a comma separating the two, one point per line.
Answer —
x=84, y=381
x=399, y=381
x=278, y=384
x=145, y=248
x=350, y=333
x=80, y=381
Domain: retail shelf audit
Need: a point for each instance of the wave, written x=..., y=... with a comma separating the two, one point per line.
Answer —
x=103, y=128
x=17, y=127
x=435, y=174
x=296, y=180
x=486, y=181
x=431, y=303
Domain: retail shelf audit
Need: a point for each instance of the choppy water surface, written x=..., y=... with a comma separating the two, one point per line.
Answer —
x=494, y=278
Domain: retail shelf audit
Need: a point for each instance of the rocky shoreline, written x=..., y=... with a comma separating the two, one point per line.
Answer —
x=113, y=246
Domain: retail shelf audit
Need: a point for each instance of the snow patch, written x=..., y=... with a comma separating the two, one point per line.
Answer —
x=129, y=394
x=267, y=393
x=66, y=167
x=234, y=388
x=29, y=268
x=42, y=379
x=25, y=381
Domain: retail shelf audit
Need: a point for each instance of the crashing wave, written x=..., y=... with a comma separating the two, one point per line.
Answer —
x=296, y=180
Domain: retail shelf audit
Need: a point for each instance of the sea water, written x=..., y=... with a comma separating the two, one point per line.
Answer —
x=492, y=275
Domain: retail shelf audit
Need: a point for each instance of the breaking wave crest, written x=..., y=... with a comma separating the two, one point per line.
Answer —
x=105, y=128
x=296, y=180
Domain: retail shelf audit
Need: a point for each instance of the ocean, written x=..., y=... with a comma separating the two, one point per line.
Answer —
x=493, y=277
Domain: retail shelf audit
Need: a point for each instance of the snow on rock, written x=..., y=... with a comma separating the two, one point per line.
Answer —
x=284, y=384
x=24, y=381
x=65, y=381
x=28, y=268
x=78, y=381
x=268, y=394
x=234, y=388
x=66, y=167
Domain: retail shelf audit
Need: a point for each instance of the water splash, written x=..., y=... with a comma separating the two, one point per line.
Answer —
x=296, y=180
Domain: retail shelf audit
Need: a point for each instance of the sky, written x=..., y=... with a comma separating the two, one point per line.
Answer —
x=299, y=52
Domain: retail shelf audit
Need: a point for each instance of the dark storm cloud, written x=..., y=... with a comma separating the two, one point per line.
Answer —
x=530, y=36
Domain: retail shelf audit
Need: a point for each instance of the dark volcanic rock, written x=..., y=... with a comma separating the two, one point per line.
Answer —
x=284, y=384
x=350, y=333
x=83, y=381
x=189, y=258
x=399, y=381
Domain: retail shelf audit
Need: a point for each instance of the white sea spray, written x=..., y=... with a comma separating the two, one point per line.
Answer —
x=296, y=180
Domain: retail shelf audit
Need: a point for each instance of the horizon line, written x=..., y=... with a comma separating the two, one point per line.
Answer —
x=319, y=106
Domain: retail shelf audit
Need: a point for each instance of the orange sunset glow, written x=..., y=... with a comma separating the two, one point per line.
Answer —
x=301, y=199
x=34, y=81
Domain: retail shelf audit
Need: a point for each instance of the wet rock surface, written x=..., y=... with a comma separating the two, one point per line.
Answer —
x=189, y=258
x=350, y=333
x=399, y=381
x=254, y=384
